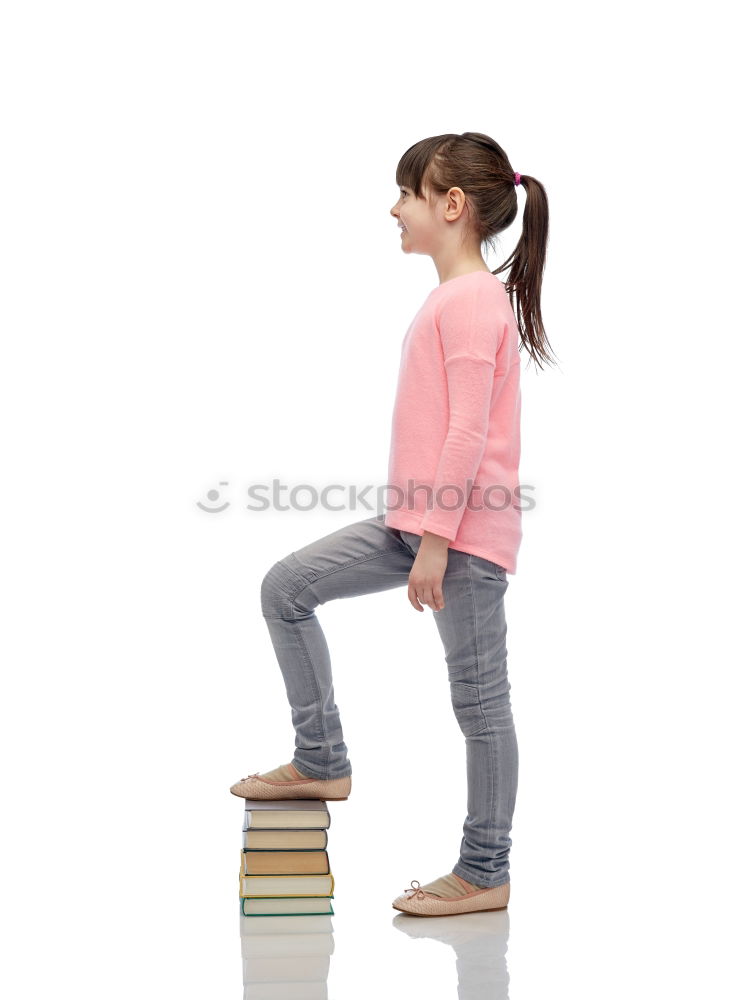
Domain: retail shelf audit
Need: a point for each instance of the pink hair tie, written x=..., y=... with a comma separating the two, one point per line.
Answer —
x=517, y=178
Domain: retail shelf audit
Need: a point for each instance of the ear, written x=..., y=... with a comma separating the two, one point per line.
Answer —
x=455, y=202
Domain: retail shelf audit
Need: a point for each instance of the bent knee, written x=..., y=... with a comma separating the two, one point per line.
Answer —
x=280, y=591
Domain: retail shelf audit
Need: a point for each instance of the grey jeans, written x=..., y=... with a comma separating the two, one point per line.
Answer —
x=366, y=557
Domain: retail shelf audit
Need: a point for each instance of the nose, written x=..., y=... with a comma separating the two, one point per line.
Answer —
x=393, y=211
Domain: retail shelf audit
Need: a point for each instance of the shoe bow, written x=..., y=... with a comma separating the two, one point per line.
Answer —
x=416, y=890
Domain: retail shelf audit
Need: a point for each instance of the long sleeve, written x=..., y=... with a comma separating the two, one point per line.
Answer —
x=455, y=431
x=470, y=334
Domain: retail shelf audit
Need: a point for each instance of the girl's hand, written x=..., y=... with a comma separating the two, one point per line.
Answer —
x=428, y=570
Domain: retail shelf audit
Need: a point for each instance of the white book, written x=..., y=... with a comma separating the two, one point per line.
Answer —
x=265, y=907
x=286, y=814
x=286, y=885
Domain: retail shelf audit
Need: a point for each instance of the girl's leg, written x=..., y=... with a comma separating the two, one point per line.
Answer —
x=473, y=629
x=360, y=558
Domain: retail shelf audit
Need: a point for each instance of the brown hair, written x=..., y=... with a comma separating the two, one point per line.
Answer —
x=476, y=163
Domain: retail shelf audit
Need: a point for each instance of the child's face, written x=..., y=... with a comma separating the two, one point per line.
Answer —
x=419, y=217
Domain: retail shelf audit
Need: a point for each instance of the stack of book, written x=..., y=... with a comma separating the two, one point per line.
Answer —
x=285, y=877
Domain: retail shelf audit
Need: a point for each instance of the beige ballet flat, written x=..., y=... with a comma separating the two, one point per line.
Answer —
x=254, y=787
x=427, y=904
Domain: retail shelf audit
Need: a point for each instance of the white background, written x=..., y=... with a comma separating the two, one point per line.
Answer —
x=202, y=285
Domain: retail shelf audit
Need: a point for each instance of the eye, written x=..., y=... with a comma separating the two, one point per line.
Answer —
x=403, y=191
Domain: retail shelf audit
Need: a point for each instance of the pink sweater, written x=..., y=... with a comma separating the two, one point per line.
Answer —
x=456, y=424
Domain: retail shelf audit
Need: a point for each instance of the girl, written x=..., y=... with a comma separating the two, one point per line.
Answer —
x=454, y=531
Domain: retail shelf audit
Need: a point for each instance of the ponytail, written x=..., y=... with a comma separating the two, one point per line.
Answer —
x=526, y=263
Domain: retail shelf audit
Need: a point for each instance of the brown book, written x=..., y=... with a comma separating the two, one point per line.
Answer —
x=284, y=863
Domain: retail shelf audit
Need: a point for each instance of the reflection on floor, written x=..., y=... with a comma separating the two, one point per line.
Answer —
x=286, y=894
x=480, y=941
x=286, y=957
